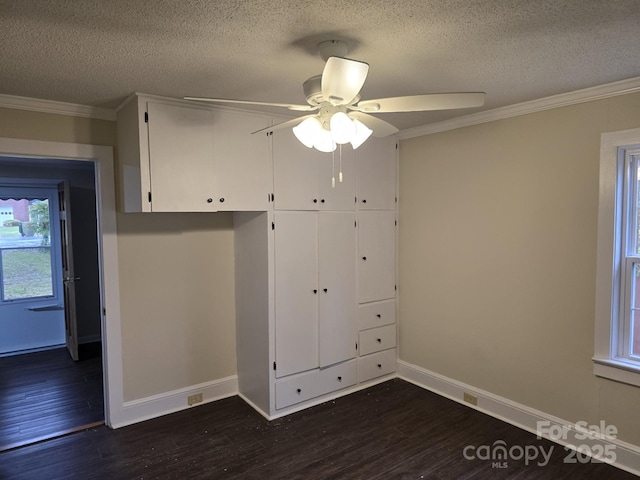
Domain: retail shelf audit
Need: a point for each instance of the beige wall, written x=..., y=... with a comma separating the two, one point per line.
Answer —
x=497, y=259
x=176, y=277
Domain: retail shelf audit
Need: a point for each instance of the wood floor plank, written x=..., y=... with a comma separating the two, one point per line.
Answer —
x=394, y=430
x=46, y=393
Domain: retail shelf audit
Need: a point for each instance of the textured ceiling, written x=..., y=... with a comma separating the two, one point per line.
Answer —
x=97, y=52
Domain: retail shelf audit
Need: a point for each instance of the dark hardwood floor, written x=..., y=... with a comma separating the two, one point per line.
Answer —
x=394, y=430
x=46, y=393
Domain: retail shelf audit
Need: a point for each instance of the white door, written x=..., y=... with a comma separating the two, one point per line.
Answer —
x=68, y=272
x=244, y=178
x=295, y=173
x=342, y=195
x=31, y=304
x=296, y=292
x=337, y=281
x=376, y=256
x=376, y=169
x=181, y=158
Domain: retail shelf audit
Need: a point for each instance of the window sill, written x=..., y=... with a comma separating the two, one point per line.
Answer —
x=617, y=370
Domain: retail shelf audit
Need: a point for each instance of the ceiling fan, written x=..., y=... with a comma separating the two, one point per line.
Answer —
x=339, y=115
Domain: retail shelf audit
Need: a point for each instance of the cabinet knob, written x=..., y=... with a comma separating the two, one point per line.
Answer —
x=221, y=199
x=315, y=291
x=324, y=290
x=322, y=201
x=379, y=340
x=299, y=390
x=379, y=316
x=379, y=365
x=364, y=200
x=364, y=258
x=209, y=200
x=339, y=379
x=315, y=200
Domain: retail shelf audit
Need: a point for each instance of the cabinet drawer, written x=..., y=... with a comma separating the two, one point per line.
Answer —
x=377, y=339
x=299, y=388
x=376, y=314
x=376, y=365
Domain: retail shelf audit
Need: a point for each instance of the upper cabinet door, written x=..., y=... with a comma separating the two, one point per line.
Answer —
x=244, y=178
x=376, y=170
x=340, y=196
x=337, y=281
x=295, y=172
x=181, y=158
x=376, y=256
x=296, y=292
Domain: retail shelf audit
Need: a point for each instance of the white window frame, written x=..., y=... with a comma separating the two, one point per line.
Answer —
x=611, y=358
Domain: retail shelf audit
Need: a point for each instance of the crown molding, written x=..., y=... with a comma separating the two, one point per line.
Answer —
x=590, y=94
x=59, y=108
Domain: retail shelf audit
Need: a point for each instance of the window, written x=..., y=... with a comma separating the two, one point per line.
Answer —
x=27, y=258
x=617, y=342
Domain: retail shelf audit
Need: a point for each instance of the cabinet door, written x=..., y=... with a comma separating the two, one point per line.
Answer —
x=295, y=172
x=296, y=292
x=244, y=177
x=181, y=156
x=337, y=282
x=342, y=195
x=376, y=169
x=376, y=256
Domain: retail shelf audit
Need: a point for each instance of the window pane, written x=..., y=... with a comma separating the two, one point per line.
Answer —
x=635, y=333
x=26, y=273
x=635, y=205
x=25, y=250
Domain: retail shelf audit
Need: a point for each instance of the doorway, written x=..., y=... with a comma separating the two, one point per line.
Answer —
x=46, y=393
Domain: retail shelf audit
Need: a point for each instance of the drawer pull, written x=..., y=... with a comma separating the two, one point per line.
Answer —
x=315, y=290
x=379, y=365
x=221, y=199
x=299, y=390
x=324, y=290
x=364, y=258
x=379, y=316
x=339, y=379
x=379, y=340
x=209, y=200
x=315, y=200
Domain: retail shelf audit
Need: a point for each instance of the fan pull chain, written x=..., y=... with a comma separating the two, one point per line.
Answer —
x=340, y=174
x=333, y=170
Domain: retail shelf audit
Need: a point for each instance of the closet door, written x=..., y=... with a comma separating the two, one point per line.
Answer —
x=181, y=158
x=295, y=173
x=296, y=292
x=337, y=282
x=376, y=256
x=376, y=169
x=244, y=176
x=342, y=195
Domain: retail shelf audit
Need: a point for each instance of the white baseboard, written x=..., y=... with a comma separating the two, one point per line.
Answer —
x=157, y=405
x=522, y=416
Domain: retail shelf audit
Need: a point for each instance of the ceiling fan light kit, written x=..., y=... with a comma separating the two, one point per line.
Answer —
x=341, y=117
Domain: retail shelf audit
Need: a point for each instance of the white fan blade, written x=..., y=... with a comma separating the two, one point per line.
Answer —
x=288, y=123
x=380, y=127
x=297, y=108
x=420, y=103
x=342, y=79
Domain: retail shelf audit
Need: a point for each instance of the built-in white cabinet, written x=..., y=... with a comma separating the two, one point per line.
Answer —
x=376, y=256
x=303, y=176
x=178, y=156
x=315, y=301
x=314, y=258
x=376, y=174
